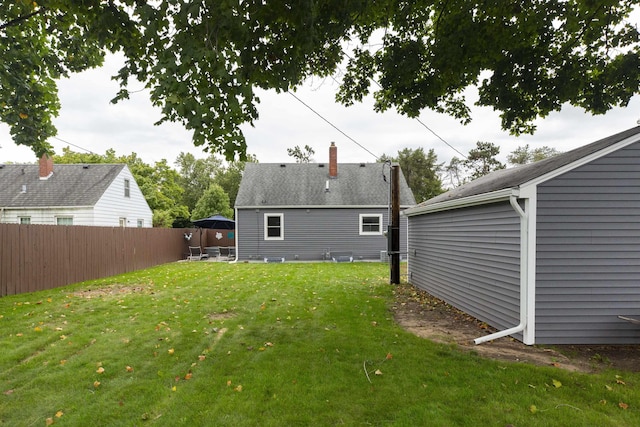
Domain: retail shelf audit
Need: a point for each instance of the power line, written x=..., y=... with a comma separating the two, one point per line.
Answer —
x=334, y=126
x=418, y=120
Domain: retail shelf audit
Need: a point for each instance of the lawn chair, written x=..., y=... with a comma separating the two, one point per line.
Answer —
x=196, y=254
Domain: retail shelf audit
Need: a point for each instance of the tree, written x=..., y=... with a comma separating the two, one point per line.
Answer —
x=196, y=176
x=213, y=201
x=523, y=155
x=159, y=184
x=301, y=155
x=421, y=171
x=229, y=178
x=482, y=159
x=202, y=61
x=454, y=172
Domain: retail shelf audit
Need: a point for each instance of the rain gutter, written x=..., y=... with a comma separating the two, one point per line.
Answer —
x=524, y=277
x=235, y=261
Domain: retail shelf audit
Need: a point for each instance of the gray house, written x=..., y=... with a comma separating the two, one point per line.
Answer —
x=547, y=252
x=315, y=211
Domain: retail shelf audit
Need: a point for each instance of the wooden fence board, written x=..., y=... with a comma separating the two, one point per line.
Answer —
x=39, y=257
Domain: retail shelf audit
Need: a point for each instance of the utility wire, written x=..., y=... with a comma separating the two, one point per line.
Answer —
x=334, y=126
x=418, y=120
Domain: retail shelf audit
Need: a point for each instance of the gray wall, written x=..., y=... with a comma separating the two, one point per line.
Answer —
x=588, y=253
x=470, y=258
x=310, y=232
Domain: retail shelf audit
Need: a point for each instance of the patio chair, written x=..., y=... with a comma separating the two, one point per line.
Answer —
x=196, y=254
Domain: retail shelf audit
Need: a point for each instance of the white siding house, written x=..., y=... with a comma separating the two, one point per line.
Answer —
x=95, y=194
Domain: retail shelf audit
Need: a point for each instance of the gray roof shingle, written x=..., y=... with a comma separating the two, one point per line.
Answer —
x=303, y=184
x=514, y=177
x=70, y=185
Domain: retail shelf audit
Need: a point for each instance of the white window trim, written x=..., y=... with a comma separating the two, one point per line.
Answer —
x=370, y=233
x=266, y=228
x=127, y=188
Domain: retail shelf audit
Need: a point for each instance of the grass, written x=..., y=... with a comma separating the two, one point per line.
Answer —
x=270, y=345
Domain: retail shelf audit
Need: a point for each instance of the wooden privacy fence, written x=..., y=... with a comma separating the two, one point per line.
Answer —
x=39, y=257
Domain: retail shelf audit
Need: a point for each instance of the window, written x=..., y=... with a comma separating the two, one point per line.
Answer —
x=370, y=225
x=25, y=219
x=123, y=222
x=140, y=223
x=64, y=220
x=273, y=226
x=126, y=188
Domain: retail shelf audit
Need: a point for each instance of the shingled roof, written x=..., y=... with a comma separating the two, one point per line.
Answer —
x=306, y=184
x=514, y=177
x=68, y=186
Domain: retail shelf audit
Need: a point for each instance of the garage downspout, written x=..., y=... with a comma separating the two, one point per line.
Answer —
x=524, y=283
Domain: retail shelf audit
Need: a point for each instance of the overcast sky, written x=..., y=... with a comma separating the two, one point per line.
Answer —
x=89, y=121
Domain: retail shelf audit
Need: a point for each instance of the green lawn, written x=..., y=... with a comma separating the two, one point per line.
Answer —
x=270, y=345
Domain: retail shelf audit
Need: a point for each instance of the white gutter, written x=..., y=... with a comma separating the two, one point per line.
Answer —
x=235, y=261
x=524, y=276
x=475, y=200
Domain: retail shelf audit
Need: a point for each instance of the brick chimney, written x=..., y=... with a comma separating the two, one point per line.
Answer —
x=46, y=166
x=333, y=161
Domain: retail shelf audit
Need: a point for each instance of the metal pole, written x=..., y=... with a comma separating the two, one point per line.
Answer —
x=395, y=225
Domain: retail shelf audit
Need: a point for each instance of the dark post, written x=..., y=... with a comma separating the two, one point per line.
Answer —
x=394, y=236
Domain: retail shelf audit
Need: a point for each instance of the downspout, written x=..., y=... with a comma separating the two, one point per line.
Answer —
x=236, y=238
x=524, y=276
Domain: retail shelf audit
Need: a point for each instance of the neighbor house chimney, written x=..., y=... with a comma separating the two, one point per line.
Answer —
x=46, y=166
x=333, y=161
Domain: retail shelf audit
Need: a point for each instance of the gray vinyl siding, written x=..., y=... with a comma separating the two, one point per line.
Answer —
x=588, y=253
x=309, y=233
x=470, y=258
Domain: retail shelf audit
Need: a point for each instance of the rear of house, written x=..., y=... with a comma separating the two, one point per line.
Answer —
x=316, y=211
x=548, y=253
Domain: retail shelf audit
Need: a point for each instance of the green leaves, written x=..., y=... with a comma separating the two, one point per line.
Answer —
x=203, y=60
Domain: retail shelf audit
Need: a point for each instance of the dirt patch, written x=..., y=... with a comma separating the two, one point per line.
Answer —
x=116, y=290
x=431, y=318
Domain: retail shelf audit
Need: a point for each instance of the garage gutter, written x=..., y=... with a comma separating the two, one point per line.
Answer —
x=527, y=239
x=524, y=276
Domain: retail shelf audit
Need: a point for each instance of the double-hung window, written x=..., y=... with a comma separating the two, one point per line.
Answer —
x=273, y=226
x=370, y=224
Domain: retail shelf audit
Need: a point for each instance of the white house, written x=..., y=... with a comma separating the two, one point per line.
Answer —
x=79, y=194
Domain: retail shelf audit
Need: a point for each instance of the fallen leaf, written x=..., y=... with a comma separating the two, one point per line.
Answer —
x=188, y=376
x=8, y=392
x=202, y=357
x=556, y=383
x=96, y=384
x=378, y=372
x=23, y=115
x=228, y=383
x=63, y=361
x=619, y=381
x=59, y=414
x=533, y=409
x=100, y=370
x=37, y=329
x=389, y=356
x=129, y=369
x=623, y=405
x=48, y=421
x=608, y=387
x=238, y=388
x=174, y=388
x=171, y=351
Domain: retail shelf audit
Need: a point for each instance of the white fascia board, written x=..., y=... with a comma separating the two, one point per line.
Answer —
x=23, y=208
x=464, y=202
